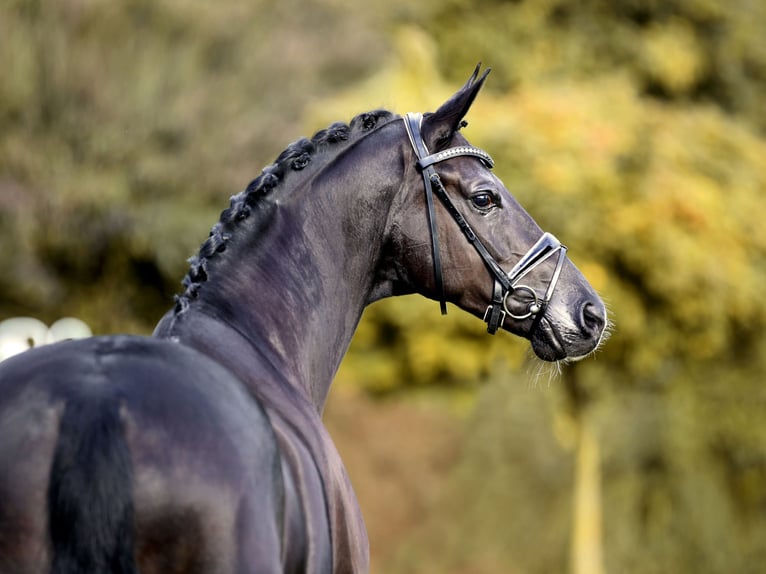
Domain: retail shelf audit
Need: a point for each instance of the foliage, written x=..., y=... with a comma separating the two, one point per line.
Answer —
x=682, y=51
x=632, y=129
x=125, y=125
x=657, y=189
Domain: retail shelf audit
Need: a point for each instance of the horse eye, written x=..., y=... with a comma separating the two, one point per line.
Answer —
x=483, y=200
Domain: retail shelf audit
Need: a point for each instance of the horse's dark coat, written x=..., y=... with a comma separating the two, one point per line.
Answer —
x=92, y=462
x=202, y=449
x=121, y=402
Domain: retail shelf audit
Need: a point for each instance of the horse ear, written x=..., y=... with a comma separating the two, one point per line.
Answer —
x=440, y=126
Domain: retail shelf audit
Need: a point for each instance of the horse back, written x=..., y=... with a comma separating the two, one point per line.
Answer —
x=120, y=454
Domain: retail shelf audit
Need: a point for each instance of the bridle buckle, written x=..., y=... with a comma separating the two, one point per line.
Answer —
x=494, y=317
x=495, y=314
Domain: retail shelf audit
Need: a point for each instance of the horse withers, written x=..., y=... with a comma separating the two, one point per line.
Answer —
x=201, y=449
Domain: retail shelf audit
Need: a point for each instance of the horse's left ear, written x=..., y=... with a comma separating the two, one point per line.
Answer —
x=440, y=126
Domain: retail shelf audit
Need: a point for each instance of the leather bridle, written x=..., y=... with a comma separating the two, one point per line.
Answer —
x=506, y=285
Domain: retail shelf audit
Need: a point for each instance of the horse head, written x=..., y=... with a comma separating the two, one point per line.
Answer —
x=480, y=249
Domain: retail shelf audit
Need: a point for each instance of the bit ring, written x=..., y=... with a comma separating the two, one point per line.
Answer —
x=533, y=308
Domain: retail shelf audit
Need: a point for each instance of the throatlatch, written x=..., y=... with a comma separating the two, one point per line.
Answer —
x=529, y=304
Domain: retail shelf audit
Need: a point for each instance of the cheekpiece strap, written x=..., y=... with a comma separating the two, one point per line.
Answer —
x=413, y=123
x=433, y=185
x=504, y=284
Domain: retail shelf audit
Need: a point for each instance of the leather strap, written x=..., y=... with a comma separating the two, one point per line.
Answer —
x=494, y=316
x=473, y=239
x=504, y=284
x=456, y=152
x=413, y=122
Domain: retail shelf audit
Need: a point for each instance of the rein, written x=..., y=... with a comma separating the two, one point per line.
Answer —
x=505, y=284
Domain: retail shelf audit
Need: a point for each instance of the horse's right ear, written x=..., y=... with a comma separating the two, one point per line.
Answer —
x=440, y=126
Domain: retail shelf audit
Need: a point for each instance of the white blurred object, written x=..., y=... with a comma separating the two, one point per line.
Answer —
x=68, y=328
x=21, y=333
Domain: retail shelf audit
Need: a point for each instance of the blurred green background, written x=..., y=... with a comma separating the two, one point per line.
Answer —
x=634, y=130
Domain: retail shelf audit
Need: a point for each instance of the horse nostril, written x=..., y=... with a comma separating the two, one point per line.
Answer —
x=593, y=319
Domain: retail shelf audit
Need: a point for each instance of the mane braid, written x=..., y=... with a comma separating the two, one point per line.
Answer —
x=296, y=157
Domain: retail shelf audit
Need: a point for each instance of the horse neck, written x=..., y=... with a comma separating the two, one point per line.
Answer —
x=290, y=289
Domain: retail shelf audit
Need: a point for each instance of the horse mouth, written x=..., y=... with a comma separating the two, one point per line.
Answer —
x=546, y=343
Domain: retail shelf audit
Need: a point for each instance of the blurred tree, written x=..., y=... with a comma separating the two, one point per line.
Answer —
x=124, y=126
x=661, y=205
x=632, y=129
x=678, y=51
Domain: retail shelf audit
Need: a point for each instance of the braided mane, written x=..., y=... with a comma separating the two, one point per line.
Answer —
x=295, y=158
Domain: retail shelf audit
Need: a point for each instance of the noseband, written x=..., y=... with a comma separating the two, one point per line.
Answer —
x=509, y=297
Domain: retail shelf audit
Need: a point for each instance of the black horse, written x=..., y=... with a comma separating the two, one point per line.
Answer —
x=201, y=449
